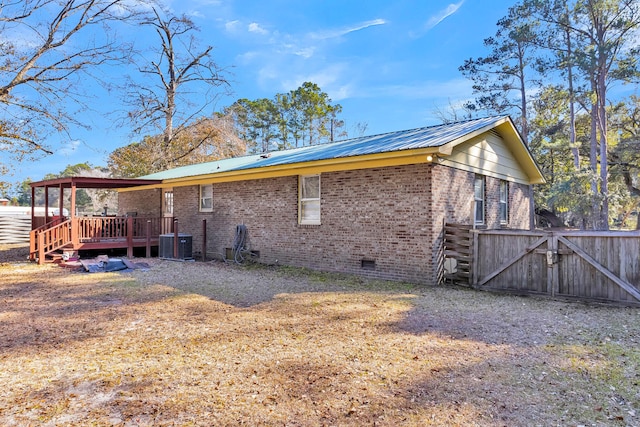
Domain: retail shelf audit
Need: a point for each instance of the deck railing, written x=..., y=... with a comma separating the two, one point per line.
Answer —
x=98, y=229
x=43, y=239
x=84, y=231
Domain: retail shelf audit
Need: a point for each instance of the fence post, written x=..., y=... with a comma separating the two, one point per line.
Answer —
x=473, y=280
x=553, y=278
x=148, y=234
x=204, y=239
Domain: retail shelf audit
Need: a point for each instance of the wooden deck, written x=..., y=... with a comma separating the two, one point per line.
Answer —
x=95, y=233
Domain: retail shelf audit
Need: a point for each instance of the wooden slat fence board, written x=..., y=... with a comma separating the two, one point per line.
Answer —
x=14, y=230
x=596, y=266
x=609, y=264
x=512, y=261
x=458, y=245
x=508, y=261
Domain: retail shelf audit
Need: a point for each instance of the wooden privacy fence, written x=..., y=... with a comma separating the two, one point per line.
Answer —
x=14, y=230
x=457, y=253
x=596, y=266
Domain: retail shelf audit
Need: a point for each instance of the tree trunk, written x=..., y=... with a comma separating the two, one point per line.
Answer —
x=593, y=165
x=572, y=112
x=523, y=100
x=603, y=128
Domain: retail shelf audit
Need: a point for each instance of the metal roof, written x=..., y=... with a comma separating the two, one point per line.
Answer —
x=93, y=182
x=426, y=137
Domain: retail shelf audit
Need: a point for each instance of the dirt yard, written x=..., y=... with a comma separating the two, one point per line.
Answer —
x=211, y=344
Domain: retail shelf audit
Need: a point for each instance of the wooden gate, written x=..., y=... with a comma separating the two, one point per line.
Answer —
x=596, y=266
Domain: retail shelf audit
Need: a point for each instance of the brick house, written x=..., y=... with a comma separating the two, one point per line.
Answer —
x=372, y=206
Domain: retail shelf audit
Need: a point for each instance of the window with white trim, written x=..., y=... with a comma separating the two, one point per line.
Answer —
x=478, y=199
x=167, y=202
x=206, y=198
x=504, y=202
x=309, y=199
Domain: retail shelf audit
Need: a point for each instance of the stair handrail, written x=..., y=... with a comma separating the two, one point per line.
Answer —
x=46, y=240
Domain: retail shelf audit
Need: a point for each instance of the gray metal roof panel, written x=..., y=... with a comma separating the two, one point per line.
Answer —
x=426, y=137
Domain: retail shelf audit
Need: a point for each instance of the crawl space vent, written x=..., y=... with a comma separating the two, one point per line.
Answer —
x=368, y=264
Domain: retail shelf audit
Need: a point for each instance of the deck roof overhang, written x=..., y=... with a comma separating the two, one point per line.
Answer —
x=93, y=182
x=75, y=182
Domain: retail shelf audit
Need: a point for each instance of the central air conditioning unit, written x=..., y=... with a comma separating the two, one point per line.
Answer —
x=185, y=246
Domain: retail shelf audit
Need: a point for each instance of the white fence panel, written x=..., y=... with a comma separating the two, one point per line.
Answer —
x=14, y=230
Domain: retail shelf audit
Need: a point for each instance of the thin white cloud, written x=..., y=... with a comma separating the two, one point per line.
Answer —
x=340, y=93
x=268, y=74
x=454, y=88
x=329, y=78
x=339, y=32
x=286, y=60
x=170, y=4
x=305, y=52
x=443, y=14
x=195, y=14
x=69, y=148
x=247, y=57
x=232, y=26
x=254, y=27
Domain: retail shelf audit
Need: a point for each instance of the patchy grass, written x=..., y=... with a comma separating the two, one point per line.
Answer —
x=217, y=344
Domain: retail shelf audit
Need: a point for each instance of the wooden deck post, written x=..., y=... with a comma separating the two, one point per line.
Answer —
x=204, y=240
x=33, y=210
x=175, y=238
x=41, y=248
x=72, y=211
x=46, y=204
x=61, y=201
x=129, y=237
x=75, y=232
x=148, y=234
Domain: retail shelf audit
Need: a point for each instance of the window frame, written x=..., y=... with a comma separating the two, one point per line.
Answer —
x=479, y=200
x=503, y=202
x=167, y=202
x=304, y=201
x=204, y=197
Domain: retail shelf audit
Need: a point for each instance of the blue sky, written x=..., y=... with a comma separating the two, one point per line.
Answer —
x=390, y=64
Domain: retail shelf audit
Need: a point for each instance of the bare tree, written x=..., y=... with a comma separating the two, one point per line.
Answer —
x=205, y=140
x=454, y=113
x=178, y=84
x=49, y=48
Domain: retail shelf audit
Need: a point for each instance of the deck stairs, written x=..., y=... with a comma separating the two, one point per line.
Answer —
x=49, y=241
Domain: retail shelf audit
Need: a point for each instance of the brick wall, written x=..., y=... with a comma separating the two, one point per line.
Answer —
x=391, y=216
x=145, y=202
x=519, y=208
x=452, y=199
x=378, y=215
